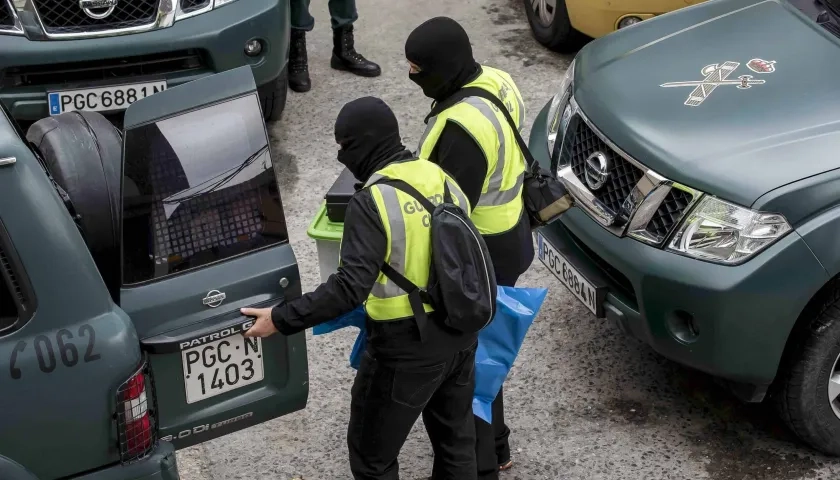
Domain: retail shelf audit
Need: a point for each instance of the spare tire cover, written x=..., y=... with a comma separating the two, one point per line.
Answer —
x=83, y=152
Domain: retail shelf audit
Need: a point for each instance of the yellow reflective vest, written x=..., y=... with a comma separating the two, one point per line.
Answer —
x=500, y=205
x=407, y=227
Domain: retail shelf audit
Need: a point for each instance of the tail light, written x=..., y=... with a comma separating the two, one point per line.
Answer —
x=136, y=426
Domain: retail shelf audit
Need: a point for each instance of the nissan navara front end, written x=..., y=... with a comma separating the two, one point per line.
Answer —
x=702, y=154
x=58, y=56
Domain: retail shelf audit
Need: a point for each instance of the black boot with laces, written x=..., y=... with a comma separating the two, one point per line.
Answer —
x=345, y=56
x=298, y=65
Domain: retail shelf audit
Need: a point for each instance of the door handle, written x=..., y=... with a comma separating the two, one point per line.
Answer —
x=201, y=333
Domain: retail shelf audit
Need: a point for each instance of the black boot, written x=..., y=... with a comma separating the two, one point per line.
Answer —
x=345, y=56
x=298, y=66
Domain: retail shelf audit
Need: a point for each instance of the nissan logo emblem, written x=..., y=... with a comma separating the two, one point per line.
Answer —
x=98, y=9
x=596, y=170
x=214, y=298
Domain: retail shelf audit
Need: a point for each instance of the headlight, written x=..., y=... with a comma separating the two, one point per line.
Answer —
x=558, y=119
x=725, y=233
x=211, y=5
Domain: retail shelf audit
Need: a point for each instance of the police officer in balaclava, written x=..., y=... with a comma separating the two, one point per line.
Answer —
x=405, y=372
x=474, y=143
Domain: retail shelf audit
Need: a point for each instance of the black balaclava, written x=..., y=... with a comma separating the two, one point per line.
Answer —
x=369, y=135
x=442, y=50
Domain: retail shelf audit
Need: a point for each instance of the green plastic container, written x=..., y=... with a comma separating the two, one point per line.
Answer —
x=327, y=236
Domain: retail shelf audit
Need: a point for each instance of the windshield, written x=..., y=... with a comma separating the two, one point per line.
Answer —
x=198, y=188
x=825, y=12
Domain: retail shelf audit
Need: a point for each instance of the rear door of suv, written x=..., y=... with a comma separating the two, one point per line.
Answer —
x=203, y=235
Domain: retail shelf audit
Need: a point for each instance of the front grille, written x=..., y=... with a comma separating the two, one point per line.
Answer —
x=623, y=175
x=188, y=6
x=669, y=213
x=67, y=16
x=6, y=19
x=102, y=70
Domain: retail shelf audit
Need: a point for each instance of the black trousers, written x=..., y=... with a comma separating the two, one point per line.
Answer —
x=401, y=378
x=492, y=448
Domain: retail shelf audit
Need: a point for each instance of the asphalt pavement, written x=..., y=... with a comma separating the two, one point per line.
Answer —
x=583, y=401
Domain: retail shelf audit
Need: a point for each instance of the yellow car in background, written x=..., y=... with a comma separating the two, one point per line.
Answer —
x=562, y=24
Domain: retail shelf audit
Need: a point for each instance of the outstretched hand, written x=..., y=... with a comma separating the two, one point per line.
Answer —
x=263, y=326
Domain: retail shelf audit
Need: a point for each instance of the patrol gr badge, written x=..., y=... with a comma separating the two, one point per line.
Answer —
x=717, y=75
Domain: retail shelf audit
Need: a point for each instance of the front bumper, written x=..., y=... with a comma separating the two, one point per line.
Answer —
x=216, y=38
x=744, y=313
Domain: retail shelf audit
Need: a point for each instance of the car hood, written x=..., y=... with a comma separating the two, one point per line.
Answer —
x=738, y=143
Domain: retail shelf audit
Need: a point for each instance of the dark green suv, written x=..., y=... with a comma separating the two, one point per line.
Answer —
x=702, y=149
x=124, y=261
x=58, y=56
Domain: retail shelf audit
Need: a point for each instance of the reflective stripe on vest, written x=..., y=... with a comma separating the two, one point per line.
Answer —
x=408, y=234
x=500, y=204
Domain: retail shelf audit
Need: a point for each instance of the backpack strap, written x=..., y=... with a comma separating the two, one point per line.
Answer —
x=399, y=279
x=417, y=296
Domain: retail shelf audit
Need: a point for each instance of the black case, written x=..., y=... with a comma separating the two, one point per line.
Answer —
x=339, y=195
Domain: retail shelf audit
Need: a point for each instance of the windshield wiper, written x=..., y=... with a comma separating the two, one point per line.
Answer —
x=830, y=17
x=223, y=181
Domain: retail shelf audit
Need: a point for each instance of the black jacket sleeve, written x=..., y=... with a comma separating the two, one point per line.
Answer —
x=460, y=156
x=363, y=249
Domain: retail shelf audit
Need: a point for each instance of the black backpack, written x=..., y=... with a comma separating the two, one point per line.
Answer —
x=462, y=282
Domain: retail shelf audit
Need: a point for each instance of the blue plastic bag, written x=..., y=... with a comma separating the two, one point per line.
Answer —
x=498, y=343
x=355, y=318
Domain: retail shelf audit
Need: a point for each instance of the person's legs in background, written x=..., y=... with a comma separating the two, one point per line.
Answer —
x=302, y=22
x=345, y=57
x=492, y=448
x=501, y=432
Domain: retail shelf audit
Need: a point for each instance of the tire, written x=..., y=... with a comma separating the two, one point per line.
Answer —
x=83, y=153
x=273, y=96
x=558, y=34
x=802, y=399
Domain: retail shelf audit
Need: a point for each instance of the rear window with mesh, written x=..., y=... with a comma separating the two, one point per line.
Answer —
x=8, y=306
x=198, y=188
x=17, y=300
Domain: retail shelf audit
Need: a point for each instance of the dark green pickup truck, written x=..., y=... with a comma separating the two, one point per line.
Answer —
x=702, y=148
x=124, y=261
x=58, y=56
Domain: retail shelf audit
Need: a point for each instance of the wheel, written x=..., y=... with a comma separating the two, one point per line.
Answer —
x=82, y=151
x=809, y=395
x=273, y=96
x=551, y=26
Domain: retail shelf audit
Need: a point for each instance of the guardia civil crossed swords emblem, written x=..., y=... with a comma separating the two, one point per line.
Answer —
x=717, y=75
